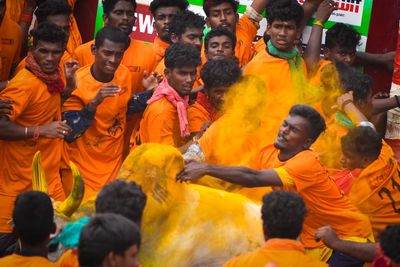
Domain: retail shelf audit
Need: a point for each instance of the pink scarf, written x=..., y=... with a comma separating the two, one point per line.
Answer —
x=181, y=104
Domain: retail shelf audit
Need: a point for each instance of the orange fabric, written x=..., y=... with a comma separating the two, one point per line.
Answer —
x=258, y=47
x=376, y=191
x=69, y=259
x=98, y=152
x=159, y=48
x=325, y=202
x=75, y=38
x=160, y=124
x=197, y=115
x=344, y=178
x=280, y=252
x=315, y=79
x=33, y=106
x=246, y=31
x=10, y=46
x=14, y=9
x=137, y=58
x=25, y=261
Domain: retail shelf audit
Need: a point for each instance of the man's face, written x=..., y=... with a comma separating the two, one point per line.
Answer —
x=220, y=47
x=216, y=96
x=61, y=21
x=122, y=16
x=162, y=18
x=108, y=56
x=48, y=55
x=223, y=15
x=191, y=36
x=340, y=55
x=129, y=258
x=2, y=10
x=181, y=79
x=351, y=160
x=293, y=134
x=283, y=34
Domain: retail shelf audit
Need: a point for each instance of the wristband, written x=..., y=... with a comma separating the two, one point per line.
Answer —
x=346, y=102
x=26, y=17
x=397, y=100
x=36, y=134
x=26, y=132
x=319, y=23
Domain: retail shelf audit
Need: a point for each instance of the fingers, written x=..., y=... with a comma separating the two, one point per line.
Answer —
x=145, y=74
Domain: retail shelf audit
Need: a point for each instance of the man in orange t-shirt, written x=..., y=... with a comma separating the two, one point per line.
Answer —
x=163, y=11
x=376, y=191
x=35, y=123
x=223, y=13
x=165, y=119
x=33, y=218
x=282, y=214
x=10, y=45
x=291, y=165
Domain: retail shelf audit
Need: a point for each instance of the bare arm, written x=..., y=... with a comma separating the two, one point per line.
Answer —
x=361, y=251
x=384, y=104
x=237, y=175
x=259, y=5
x=386, y=59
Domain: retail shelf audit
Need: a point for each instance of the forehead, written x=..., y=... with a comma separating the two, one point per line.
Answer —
x=298, y=122
x=220, y=39
x=196, y=31
x=222, y=6
x=123, y=5
x=49, y=46
x=112, y=46
x=184, y=69
x=167, y=10
x=220, y=88
x=61, y=20
x=339, y=49
x=283, y=22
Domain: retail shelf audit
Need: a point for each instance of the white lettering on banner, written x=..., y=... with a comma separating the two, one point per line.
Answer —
x=147, y=22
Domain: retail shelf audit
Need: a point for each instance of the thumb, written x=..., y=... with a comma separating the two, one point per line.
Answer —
x=335, y=107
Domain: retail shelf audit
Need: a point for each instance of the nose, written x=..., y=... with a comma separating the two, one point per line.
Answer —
x=347, y=58
x=50, y=57
x=198, y=42
x=223, y=16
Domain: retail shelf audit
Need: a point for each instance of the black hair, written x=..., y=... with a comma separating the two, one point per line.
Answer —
x=343, y=36
x=207, y=4
x=362, y=140
x=219, y=31
x=389, y=240
x=33, y=217
x=155, y=4
x=105, y=233
x=108, y=5
x=360, y=84
x=120, y=197
x=112, y=34
x=51, y=8
x=284, y=10
x=316, y=123
x=224, y=72
x=184, y=20
x=283, y=214
x=50, y=33
x=180, y=55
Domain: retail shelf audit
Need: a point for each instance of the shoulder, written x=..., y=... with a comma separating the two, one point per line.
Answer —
x=162, y=107
x=25, y=79
x=196, y=108
x=83, y=72
x=257, y=62
x=11, y=26
x=84, y=47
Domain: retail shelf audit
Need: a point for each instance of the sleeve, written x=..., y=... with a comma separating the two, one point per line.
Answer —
x=160, y=128
x=21, y=96
x=248, y=29
x=79, y=121
x=196, y=118
x=138, y=102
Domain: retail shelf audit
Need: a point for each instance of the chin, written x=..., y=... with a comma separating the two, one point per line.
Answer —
x=277, y=145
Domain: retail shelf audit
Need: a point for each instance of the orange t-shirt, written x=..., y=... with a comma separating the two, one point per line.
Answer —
x=10, y=46
x=315, y=78
x=33, y=106
x=325, y=202
x=137, y=58
x=258, y=47
x=280, y=252
x=75, y=38
x=98, y=152
x=14, y=9
x=69, y=259
x=25, y=261
x=376, y=191
x=197, y=115
x=159, y=48
x=160, y=124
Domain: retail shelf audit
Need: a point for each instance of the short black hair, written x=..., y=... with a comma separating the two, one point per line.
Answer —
x=316, y=123
x=51, y=8
x=219, y=31
x=283, y=214
x=284, y=10
x=50, y=33
x=360, y=84
x=343, y=36
x=362, y=140
x=33, y=217
x=155, y=4
x=180, y=55
x=105, y=233
x=207, y=4
x=120, y=197
x=108, y=5
x=184, y=20
x=224, y=72
x=389, y=240
x=112, y=34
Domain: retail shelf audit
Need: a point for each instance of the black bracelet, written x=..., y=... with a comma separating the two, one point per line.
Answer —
x=397, y=100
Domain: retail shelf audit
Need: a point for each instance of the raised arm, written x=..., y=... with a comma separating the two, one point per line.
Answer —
x=237, y=175
x=259, y=5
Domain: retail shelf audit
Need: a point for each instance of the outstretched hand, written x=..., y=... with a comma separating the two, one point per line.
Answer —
x=192, y=171
x=70, y=68
x=151, y=81
x=327, y=235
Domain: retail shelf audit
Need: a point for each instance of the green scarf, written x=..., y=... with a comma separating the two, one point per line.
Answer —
x=343, y=121
x=289, y=56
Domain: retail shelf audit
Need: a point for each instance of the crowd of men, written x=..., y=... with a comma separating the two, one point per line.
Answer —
x=335, y=180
